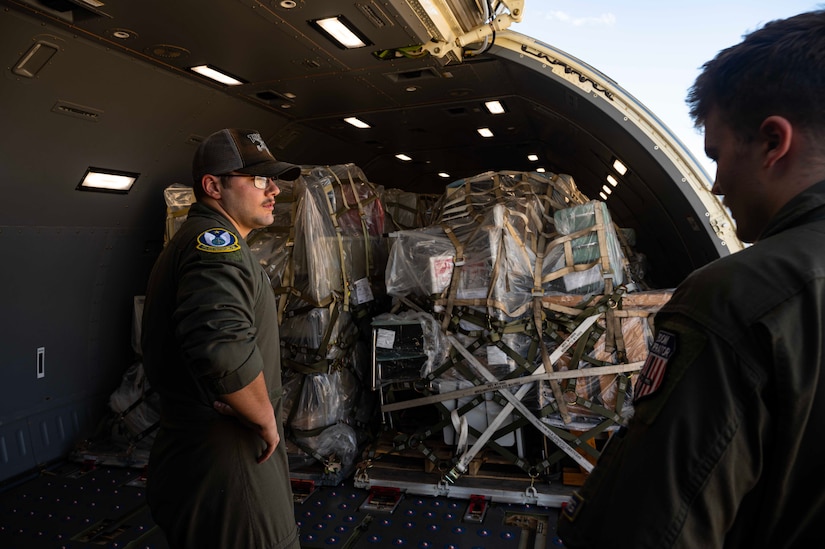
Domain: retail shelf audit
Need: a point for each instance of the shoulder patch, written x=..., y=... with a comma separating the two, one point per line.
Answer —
x=653, y=372
x=218, y=241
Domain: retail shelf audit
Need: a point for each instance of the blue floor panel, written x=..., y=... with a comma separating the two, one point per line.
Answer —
x=74, y=507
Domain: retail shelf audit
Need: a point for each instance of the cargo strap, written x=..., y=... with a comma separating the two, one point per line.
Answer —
x=424, y=204
x=288, y=275
x=514, y=402
x=362, y=215
x=331, y=463
x=554, y=321
x=321, y=364
x=458, y=263
x=512, y=382
x=134, y=439
x=548, y=366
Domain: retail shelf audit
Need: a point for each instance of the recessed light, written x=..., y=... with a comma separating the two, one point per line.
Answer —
x=485, y=132
x=494, y=107
x=619, y=167
x=341, y=32
x=402, y=156
x=105, y=180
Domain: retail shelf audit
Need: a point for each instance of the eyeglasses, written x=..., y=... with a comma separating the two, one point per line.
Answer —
x=260, y=181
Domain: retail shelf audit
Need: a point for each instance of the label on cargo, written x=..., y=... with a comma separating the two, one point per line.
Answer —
x=363, y=291
x=384, y=339
x=441, y=272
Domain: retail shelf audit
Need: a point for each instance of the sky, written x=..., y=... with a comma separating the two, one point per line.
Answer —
x=653, y=50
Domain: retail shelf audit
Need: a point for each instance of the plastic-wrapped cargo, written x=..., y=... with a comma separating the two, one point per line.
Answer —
x=318, y=409
x=466, y=197
x=409, y=337
x=313, y=339
x=590, y=250
x=340, y=249
x=273, y=245
x=504, y=246
x=508, y=236
x=486, y=262
x=407, y=210
x=178, y=199
x=592, y=398
x=137, y=407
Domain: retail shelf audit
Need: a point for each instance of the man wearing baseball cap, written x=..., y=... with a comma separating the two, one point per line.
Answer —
x=218, y=475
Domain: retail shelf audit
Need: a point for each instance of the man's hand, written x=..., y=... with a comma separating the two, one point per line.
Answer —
x=251, y=407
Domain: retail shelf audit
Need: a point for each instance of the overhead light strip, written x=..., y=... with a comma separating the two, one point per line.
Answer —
x=357, y=122
x=217, y=75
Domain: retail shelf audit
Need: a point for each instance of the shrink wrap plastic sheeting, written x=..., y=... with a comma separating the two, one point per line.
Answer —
x=327, y=243
x=326, y=257
x=137, y=407
x=501, y=241
x=407, y=210
x=318, y=407
x=432, y=343
x=589, y=248
x=507, y=242
x=303, y=336
x=178, y=198
x=273, y=245
x=339, y=246
x=635, y=318
x=602, y=390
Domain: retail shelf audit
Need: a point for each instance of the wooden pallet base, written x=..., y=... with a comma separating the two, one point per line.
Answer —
x=486, y=464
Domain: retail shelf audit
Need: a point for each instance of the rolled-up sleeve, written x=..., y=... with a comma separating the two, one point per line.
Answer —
x=214, y=316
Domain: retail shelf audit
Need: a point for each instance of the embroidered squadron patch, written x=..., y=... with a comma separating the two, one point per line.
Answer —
x=218, y=241
x=653, y=371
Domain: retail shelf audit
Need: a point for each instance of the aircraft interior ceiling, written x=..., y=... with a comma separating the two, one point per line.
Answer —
x=298, y=87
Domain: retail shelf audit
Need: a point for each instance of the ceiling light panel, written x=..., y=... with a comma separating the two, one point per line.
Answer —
x=217, y=75
x=357, y=122
x=341, y=32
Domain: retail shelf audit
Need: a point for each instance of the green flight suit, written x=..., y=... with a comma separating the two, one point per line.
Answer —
x=209, y=328
x=726, y=445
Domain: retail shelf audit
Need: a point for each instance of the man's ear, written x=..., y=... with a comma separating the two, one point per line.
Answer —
x=211, y=186
x=776, y=133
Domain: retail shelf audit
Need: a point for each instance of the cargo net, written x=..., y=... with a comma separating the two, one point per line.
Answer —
x=528, y=283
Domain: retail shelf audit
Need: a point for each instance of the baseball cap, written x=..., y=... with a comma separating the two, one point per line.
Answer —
x=239, y=150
